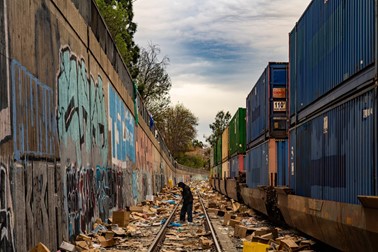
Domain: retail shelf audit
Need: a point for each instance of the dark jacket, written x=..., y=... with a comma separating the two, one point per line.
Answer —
x=187, y=196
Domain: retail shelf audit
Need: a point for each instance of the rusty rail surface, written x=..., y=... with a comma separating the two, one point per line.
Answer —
x=160, y=237
x=210, y=226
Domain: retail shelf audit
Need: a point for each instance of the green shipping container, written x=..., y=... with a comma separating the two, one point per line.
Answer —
x=219, y=151
x=237, y=133
x=214, y=149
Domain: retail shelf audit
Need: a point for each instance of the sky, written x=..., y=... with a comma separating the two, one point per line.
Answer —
x=217, y=48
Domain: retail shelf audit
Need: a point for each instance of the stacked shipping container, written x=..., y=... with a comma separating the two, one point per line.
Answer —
x=333, y=104
x=333, y=119
x=331, y=42
x=237, y=138
x=333, y=147
x=266, y=122
x=225, y=148
x=266, y=105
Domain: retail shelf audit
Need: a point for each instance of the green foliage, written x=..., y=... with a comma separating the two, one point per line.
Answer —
x=194, y=161
x=118, y=16
x=197, y=144
x=178, y=129
x=218, y=126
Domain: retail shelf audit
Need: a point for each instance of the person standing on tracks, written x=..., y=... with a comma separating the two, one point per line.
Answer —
x=187, y=202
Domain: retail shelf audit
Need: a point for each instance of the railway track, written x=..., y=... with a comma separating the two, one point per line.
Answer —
x=197, y=236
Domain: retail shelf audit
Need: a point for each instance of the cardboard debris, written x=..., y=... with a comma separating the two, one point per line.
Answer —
x=121, y=218
x=67, y=246
x=138, y=209
x=118, y=231
x=288, y=245
x=234, y=222
x=205, y=243
x=242, y=231
x=83, y=237
x=235, y=206
x=105, y=243
x=40, y=248
x=226, y=219
x=82, y=244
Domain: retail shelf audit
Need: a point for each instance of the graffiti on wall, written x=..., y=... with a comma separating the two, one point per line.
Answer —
x=109, y=190
x=5, y=127
x=81, y=198
x=41, y=201
x=33, y=116
x=81, y=112
x=122, y=126
x=6, y=221
x=143, y=151
x=91, y=192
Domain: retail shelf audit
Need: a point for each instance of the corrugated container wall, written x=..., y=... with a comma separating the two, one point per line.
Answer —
x=236, y=165
x=267, y=105
x=332, y=156
x=266, y=164
x=237, y=133
x=219, y=151
x=331, y=42
x=225, y=148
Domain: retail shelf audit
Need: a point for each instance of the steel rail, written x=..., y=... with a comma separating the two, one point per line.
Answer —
x=161, y=235
x=213, y=234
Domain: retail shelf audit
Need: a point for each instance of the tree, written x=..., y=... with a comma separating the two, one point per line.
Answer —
x=197, y=144
x=178, y=129
x=118, y=16
x=153, y=80
x=218, y=126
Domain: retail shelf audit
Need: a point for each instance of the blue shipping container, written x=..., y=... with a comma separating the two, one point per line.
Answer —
x=266, y=164
x=332, y=156
x=266, y=105
x=236, y=165
x=332, y=41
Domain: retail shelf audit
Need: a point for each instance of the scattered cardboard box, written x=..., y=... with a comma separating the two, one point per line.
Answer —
x=226, y=219
x=234, y=222
x=242, y=231
x=288, y=245
x=121, y=218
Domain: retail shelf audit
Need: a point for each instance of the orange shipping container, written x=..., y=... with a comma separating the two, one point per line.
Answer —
x=225, y=147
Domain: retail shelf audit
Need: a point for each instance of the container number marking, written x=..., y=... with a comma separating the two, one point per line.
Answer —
x=279, y=106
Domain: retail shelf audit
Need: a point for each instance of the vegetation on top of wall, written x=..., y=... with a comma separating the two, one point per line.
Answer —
x=118, y=16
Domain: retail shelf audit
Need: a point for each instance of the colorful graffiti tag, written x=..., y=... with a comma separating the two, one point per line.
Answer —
x=122, y=126
x=81, y=110
x=6, y=227
x=33, y=116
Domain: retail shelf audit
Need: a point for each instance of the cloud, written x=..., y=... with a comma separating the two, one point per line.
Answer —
x=217, y=48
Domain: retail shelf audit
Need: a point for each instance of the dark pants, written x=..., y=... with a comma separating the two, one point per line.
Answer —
x=186, y=208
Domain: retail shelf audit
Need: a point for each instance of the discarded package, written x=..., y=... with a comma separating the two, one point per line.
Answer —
x=40, y=248
x=121, y=218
